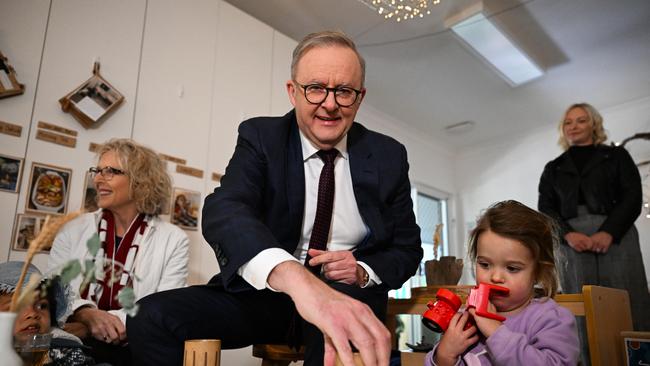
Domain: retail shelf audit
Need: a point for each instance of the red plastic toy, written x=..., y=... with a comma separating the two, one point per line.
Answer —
x=447, y=303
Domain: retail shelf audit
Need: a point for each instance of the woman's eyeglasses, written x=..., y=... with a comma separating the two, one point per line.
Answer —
x=107, y=172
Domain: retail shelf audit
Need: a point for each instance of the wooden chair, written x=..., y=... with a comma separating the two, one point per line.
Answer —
x=277, y=355
x=606, y=311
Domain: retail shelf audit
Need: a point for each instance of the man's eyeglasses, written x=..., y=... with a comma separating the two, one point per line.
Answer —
x=343, y=95
x=107, y=172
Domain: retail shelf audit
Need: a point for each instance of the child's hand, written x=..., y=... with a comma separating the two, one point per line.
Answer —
x=455, y=340
x=487, y=326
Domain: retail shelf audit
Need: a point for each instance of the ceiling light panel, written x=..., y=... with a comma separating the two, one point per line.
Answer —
x=488, y=41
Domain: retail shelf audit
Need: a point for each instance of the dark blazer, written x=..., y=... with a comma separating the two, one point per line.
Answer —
x=260, y=202
x=610, y=183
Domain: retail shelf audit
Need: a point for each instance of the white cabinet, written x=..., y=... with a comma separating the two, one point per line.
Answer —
x=80, y=32
x=22, y=30
x=174, y=96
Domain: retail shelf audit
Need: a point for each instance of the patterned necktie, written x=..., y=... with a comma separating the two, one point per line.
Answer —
x=320, y=231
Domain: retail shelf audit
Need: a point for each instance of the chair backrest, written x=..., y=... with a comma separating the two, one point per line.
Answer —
x=607, y=313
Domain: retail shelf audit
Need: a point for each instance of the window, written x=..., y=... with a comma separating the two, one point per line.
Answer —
x=430, y=207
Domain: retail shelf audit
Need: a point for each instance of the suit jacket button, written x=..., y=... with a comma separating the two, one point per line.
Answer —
x=223, y=261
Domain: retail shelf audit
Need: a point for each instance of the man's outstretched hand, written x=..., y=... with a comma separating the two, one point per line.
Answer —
x=341, y=318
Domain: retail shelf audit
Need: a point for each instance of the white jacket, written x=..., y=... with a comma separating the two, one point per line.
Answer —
x=161, y=263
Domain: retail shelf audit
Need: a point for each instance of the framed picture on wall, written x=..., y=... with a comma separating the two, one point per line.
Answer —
x=48, y=189
x=89, y=199
x=26, y=227
x=11, y=169
x=185, y=208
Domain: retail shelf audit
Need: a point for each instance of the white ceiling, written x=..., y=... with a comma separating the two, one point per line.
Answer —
x=596, y=51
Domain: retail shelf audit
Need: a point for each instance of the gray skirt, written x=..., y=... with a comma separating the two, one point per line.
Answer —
x=621, y=267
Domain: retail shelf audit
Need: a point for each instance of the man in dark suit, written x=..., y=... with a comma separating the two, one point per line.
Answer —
x=312, y=225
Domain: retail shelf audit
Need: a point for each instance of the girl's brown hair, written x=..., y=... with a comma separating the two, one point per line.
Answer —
x=534, y=230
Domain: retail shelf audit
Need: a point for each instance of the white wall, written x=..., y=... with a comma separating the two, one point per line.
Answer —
x=511, y=167
x=431, y=165
x=190, y=73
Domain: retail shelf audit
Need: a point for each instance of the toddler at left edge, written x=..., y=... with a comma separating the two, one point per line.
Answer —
x=512, y=246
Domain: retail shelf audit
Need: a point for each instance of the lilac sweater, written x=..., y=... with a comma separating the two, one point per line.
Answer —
x=542, y=334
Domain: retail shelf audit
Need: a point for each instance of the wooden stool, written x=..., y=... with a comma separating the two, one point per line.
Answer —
x=277, y=355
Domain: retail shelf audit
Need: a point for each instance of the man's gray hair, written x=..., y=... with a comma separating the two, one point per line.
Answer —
x=325, y=39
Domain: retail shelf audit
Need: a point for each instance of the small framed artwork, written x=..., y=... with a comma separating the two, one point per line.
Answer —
x=26, y=228
x=89, y=200
x=636, y=346
x=185, y=208
x=11, y=169
x=48, y=189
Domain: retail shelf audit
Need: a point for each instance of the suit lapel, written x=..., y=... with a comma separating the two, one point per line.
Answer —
x=365, y=179
x=295, y=180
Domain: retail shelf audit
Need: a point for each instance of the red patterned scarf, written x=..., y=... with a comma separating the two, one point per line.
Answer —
x=104, y=292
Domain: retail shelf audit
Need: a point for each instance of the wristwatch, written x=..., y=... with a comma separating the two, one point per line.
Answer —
x=365, y=278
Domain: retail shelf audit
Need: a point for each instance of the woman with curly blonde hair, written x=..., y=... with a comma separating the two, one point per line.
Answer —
x=593, y=191
x=133, y=188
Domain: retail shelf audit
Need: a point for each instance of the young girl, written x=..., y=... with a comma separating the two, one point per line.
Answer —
x=512, y=246
x=41, y=317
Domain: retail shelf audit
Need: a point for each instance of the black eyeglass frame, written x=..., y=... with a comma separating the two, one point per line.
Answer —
x=327, y=93
x=107, y=172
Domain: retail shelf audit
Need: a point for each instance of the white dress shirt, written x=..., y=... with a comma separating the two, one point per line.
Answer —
x=347, y=228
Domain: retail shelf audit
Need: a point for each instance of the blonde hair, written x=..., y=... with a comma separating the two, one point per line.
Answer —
x=534, y=230
x=325, y=39
x=598, y=131
x=149, y=184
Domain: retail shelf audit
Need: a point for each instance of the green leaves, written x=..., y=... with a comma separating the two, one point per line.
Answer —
x=126, y=297
x=93, y=244
x=70, y=270
x=92, y=268
x=88, y=274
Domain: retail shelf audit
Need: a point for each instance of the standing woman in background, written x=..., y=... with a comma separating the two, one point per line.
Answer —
x=133, y=188
x=593, y=191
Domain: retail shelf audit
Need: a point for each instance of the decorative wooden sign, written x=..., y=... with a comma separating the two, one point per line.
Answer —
x=55, y=138
x=173, y=159
x=189, y=171
x=10, y=129
x=93, y=101
x=94, y=147
x=216, y=177
x=55, y=128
